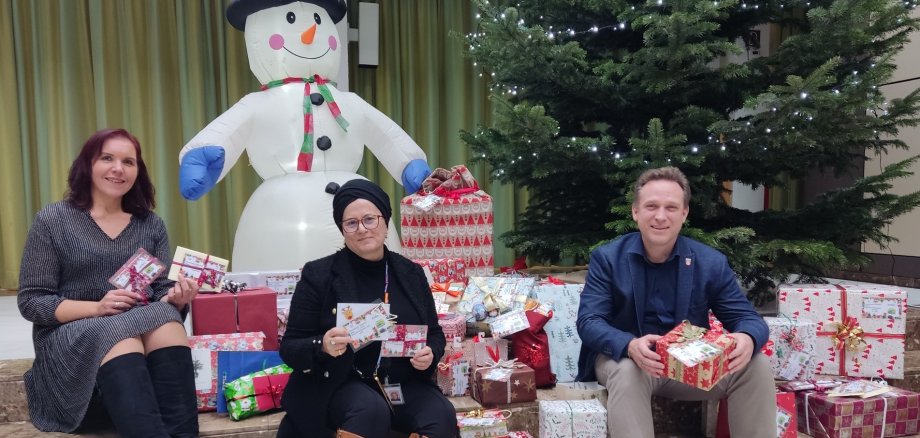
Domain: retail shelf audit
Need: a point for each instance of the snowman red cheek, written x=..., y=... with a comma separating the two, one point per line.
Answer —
x=276, y=41
x=333, y=43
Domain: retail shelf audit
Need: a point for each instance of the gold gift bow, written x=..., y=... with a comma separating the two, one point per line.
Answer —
x=690, y=332
x=849, y=335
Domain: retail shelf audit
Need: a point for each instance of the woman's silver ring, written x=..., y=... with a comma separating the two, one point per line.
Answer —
x=331, y=342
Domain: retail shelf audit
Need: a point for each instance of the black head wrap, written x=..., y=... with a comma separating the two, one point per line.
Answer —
x=360, y=189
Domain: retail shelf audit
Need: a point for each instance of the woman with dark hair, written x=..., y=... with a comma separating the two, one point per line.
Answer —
x=94, y=342
x=334, y=390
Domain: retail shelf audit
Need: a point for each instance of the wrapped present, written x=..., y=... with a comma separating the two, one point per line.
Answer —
x=860, y=329
x=576, y=391
x=256, y=393
x=208, y=271
x=254, y=310
x=517, y=434
x=453, y=325
x=444, y=270
x=137, y=273
x=572, y=418
x=453, y=374
x=785, y=417
x=204, y=360
x=792, y=352
x=894, y=413
x=531, y=346
x=450, y=217
x=482, y=424
x=503, y=382
x=694, y=355
x=496, y=293
x=564, y=342
x=488, y=349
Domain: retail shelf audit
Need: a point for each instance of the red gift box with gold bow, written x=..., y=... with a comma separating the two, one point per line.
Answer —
x=694, y=355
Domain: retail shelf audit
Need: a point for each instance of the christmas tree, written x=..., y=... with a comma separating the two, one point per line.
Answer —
x=588, y=94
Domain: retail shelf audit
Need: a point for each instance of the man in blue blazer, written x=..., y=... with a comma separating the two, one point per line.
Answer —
x=642, y=285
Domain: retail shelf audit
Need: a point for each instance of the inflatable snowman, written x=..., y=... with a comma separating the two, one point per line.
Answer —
x=304, y=137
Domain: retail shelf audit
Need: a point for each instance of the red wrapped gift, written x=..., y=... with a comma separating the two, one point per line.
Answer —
x=694, y=355
x=450, y=217
x=268, y=390
x=445, y=270
x=785, y=417
x=504, y=382
x=895, y=413
x=251, y=310
x=531, y=346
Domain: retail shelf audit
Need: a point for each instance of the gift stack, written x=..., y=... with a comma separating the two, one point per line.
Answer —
x=449, y=217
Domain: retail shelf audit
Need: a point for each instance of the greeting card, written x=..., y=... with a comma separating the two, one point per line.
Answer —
x=137, y=273
x=405, y=340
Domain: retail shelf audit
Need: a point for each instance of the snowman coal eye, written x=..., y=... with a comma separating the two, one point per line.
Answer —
x=317, y=19
x=291, y=17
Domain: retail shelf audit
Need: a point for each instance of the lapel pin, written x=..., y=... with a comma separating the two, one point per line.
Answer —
x=688, y=261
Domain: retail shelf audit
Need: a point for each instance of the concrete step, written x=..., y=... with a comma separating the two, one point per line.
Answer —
x=912, y=331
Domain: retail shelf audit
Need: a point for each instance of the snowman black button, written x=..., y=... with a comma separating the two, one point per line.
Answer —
x=323, y=143
x=317, y=99
x=331, y=188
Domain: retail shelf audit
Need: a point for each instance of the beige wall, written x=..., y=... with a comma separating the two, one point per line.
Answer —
x=907, y=227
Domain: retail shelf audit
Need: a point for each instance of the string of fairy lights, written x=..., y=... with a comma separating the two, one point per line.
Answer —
x=560, y=35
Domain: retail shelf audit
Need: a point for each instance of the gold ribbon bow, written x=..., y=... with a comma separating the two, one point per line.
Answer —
x=850, y=335
x=690, y=332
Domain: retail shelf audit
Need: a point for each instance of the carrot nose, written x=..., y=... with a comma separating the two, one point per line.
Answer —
x=307, y=36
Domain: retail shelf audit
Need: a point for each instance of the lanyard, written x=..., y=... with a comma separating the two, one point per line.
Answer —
x=386, y=283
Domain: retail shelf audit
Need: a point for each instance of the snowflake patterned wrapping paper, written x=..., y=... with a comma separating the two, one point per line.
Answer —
x=860, y=328
x=204, y=359
x=892, y=414
x=454, y=222
x=256, y=393
x=793, y=355
x=564, y=342
x=572, y=419
x=694, y=355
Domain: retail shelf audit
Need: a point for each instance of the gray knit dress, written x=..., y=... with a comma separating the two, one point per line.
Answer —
x=67, y=256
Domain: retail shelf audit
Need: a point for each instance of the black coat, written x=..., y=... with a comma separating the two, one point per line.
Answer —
x=323, y=284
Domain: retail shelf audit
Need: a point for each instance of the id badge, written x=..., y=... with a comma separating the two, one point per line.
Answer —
x=394, y=393
x=386, y=395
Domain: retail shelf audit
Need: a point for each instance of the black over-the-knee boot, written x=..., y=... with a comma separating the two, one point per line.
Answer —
x=173, y=377
x=127, y=393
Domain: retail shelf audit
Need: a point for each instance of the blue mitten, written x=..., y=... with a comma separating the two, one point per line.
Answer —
x=199, y=170
x=414, y=175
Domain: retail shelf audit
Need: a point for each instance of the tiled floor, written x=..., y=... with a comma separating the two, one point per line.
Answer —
x=16, y=332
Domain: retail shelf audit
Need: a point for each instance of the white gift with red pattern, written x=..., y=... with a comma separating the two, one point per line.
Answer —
x=878, y=312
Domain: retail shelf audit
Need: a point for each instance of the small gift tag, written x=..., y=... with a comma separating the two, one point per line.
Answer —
x=373, y=325
x=426, y=203
x=882, y=307
x=460, y=372
x=783, y=420
x=693, y=352
x=509, y=323
x=498, y=374
x=137, y=273
x=405, y=340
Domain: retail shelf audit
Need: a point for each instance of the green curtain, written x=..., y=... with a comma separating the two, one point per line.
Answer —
x=163, y=69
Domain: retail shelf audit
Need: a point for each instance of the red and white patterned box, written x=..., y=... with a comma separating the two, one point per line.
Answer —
x=453, y=325
x=694, y=355
x=895, y=413
x=860, y=327
x=204, y=359
x=450, y=224
x=445, y=270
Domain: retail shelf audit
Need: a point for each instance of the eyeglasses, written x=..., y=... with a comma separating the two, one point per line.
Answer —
x=370, y=222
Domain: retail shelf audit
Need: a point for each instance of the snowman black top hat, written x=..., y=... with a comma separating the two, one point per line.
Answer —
x=240, y=9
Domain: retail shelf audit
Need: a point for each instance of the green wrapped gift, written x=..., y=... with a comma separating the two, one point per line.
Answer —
x=256, y=393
